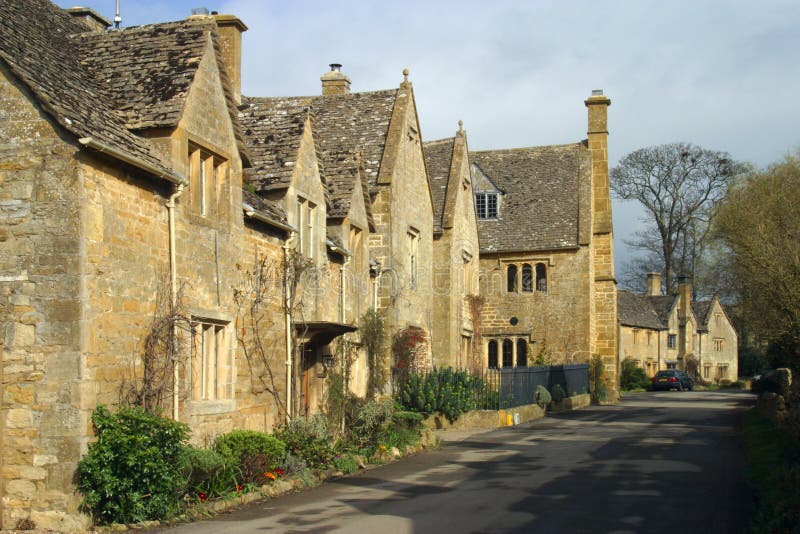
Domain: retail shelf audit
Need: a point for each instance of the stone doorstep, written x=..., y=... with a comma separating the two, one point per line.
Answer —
x=268, y=491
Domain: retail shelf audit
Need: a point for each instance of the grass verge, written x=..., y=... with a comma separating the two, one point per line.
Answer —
x=773, y=467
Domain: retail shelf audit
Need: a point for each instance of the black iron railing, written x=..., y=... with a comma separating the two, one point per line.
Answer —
x=495, y=389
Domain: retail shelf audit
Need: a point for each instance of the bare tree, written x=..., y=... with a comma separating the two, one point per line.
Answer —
x=677, y=184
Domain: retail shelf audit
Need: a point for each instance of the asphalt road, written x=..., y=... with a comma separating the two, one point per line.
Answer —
x=658, y=462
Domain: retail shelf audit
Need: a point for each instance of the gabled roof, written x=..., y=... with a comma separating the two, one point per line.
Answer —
x=147, y=71
x=349, y=133
x=273, y=129
x=40, y=45
x=438, y=159
x=352, y=122
x=663, y=305
x=539, y=209
x=701, y=309
x=638, y=310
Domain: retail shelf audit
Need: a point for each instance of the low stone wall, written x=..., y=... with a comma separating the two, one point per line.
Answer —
x=571, y=403
x=488, y=419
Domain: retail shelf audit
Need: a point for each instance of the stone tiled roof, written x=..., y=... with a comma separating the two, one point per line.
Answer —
x=662, y=304
x=638, y=310
x=539, y=209
x=147, y=71
x=438, y=158
x=354, y=122
x=268, y=208
x=40, y=45
x=701, y=310
x=273, y=128
x=349, y=133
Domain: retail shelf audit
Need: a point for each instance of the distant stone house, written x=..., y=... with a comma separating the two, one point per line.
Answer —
x=674, y=332
x=546, y=264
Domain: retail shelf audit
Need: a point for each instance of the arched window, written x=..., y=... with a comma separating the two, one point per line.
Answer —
x=511, y=279
x=508, y=353
x=527, y=278
x=522, y=353
x=492, y=354
x=541, y=277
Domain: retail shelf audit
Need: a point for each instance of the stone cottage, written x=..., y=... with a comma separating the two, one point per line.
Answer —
x=154, y=218
x=121, y=164
x=660, y=331
x=546, y=261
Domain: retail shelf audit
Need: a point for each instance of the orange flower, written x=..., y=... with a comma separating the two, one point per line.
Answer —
x=279, y=472
x=270, y=475
x=238, y=487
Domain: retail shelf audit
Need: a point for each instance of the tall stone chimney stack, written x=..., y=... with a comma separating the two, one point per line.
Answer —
x=605, y=340
x=230, y=29
x=597, y=105
x=335, y=82
x=653, y=284
x=93, y=20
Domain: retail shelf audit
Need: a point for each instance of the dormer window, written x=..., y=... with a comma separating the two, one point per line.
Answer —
x=486, y=205
x=206, y=178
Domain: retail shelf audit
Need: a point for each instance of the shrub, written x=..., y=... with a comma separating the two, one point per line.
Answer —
x=446, y=391
x=249, y=454
x=132, y=472
x=370, y=421
x=597, y=379
x=558, y=393
x=204, y=471
x=345, y=463
x=308, y=439
x=542, y=396
x=632, y=376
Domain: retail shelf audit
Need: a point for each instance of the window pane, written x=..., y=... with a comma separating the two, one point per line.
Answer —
x=541, y=277
x=492, y=354
x=527, y=278
x=511, y=279
x=480, y=205
x=491, y=206
x=508, y=353
x=522, y=353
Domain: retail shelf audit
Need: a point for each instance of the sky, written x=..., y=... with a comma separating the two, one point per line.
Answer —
x=720, y=74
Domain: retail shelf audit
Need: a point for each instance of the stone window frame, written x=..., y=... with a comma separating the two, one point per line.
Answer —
x=211, y=372
x=207, y=171
x=719, y=344
x=487, y=205
x=468, y=274
x=413, y=235
x=672, y=341
x=636, y=332
x=305, y=219
x=496, y=355
x=722, y=371
x=516, y=283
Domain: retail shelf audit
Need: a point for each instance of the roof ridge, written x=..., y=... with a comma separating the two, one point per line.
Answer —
x=439, y=141
x=497, y=150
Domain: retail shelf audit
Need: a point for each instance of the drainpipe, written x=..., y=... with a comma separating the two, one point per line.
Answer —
x=342, y=289
x=287, y=247
x=375, y=285
x=173, y=280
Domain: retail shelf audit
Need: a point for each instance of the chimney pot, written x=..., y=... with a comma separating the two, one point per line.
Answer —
x=199, y=11
x=336, y=67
